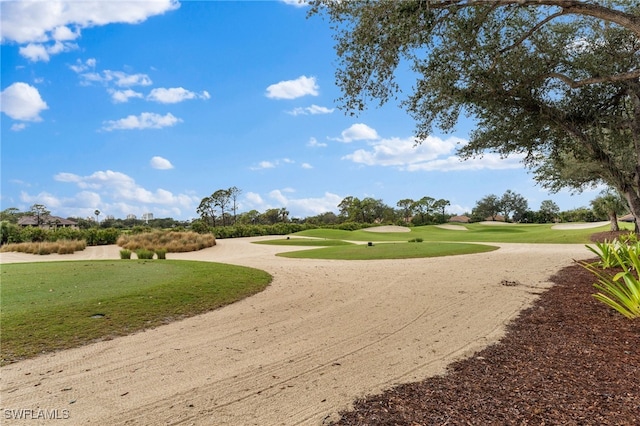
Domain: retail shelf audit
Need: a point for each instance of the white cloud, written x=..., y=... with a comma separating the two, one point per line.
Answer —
x=64, y=33
x=161, y=163
x=357, y=132
x=313, y=143
x=121, y=96
x=279, y=197
x=264, y=165
x=402, y=152
x=175, y=95
x=298, y=207
x=146, y=120
x=109, y=190
x=122, y=79
x=311, y=110
x=254, y=199
x=34, y=52
x=52, y=24
x=292, y=89
x=44, y=198
x=296, y=3
x=431, y=155
x=303, y=207
x=307, y=166
x=110, y=77
x=17, y=127
x=83, y=66
x=454, y=163
x=272, y=164
x=40, y=52
x=22, y=101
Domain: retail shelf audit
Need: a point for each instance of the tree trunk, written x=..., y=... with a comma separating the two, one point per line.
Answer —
x=613, y=218
x=634, y=204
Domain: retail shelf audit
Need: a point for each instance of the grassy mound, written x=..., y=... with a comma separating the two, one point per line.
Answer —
x=389, y=251
x=58, y=305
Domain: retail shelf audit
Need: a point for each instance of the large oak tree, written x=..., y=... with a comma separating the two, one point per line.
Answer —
x=556, y=81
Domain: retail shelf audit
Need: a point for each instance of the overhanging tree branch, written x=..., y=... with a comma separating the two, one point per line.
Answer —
x=574, y=7
x=594, y=80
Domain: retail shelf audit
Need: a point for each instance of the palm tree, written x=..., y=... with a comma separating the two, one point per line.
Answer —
x=609, y=203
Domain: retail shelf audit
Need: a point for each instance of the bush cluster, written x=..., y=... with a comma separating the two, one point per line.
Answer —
x=46, y=247
x=12, y=233
x=237, y=231
x=166, y=241
x=618, y=290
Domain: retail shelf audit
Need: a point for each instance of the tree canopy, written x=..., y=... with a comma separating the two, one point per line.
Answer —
x=554, y=81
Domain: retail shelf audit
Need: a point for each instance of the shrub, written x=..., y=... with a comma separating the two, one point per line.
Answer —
x=144, y=254
x=65, y=249
x=79, y=245
x=48, y=248
x=33, y=234
x=9, y=233
x=125, y=254
x=172, y=242
x=622, y=290
x=416, y=240
x=60, y=247
x=161, y=253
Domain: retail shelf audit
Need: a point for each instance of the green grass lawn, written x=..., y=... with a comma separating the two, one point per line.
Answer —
x=304, y=242
x=388, y=250
x=476, y=232
x=57, y=305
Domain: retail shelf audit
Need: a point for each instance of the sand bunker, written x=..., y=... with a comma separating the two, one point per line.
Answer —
x=452, y=227
x=580, y=225
x=324, y=333
x=388, y=228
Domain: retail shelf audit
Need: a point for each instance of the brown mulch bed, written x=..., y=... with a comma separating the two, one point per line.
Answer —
x=567, y=360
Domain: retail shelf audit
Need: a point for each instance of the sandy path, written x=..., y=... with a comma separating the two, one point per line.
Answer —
x=323, y=334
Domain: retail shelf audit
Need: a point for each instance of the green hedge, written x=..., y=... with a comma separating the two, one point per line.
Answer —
x=11, y=233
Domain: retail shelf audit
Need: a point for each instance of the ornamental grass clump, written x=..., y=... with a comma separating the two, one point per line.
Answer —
x=125, y=254
x=171, y=241
x=161, y=253
x=144, y=254
x=44, y=248
x=620, y=291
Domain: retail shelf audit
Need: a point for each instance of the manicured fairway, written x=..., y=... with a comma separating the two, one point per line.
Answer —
x=56, y=305
x=304, y=242
x=475, y=232
x=390, y=251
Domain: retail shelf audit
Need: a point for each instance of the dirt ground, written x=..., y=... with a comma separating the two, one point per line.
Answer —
x=323, y=334
x=567, y=360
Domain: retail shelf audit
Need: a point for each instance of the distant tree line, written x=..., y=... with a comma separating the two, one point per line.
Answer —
x=219, y=215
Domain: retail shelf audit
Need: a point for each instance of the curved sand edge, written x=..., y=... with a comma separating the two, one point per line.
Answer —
x=387, y=228
x=323, y=334
x=452, y=227
x=564, y=226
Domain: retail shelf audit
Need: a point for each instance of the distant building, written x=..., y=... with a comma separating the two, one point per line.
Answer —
x=131, y=217
x=460, y=219
x=147, y=217
x=627, y=218
x=47, y=222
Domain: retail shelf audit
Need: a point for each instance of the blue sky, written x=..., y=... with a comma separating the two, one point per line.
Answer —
x=147, y=107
